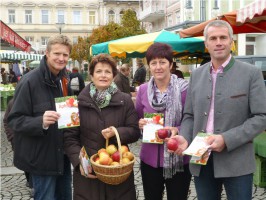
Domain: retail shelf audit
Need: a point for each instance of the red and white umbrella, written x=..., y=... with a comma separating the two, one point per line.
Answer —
x=253, y=12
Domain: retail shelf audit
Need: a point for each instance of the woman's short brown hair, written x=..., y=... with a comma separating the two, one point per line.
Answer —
x=103, y=58
x=159, y=50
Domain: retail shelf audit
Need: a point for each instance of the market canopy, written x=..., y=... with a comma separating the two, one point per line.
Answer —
x=136, y=46
x=230, y=17
x=10, y=40
x=253, y=12
x=7, y=57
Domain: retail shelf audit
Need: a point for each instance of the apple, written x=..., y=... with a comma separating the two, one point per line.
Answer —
x=111, y=149
x=172, y=144
x=124, y=149
x=163, y=133
x=156, y=119
x=101, y=150
x=115, y=163
x=116, y=156
x=70, y=102
x=104, y=158
x=128, y=155
x=125, y=161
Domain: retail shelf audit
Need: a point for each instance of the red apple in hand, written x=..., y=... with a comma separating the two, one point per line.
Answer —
x=163, y=133
x=172, y=144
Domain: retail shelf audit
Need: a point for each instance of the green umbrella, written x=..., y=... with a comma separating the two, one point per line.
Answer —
x=136, y=46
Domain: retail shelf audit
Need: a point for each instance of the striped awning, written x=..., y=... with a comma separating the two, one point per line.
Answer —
x=17, y=57
x=253, y=12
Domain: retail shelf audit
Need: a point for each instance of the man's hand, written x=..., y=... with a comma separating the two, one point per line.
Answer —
x=50, y=117
x=182, y=144
x=142, y=122
x=216, y=142
x=108, y=133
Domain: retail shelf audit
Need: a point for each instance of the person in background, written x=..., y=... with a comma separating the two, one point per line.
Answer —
x=121, y=79
x=76, y=81
x=226, y=98
x=177, y=72
x=101, y=105
x=4, y=76
x=140, y=74
x=164, y=93
x=12, y=77
x=33, y=118
x=10, y=136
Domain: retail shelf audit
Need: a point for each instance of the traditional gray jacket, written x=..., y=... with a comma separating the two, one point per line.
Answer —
x=239, y=114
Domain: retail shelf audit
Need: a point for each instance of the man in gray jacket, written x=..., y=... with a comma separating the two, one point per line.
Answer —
x=227, y=99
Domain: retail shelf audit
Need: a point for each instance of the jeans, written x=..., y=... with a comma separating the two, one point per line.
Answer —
x=210, y=188
x=57, y=187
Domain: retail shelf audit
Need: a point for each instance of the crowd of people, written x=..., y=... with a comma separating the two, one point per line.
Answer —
x=224, y=98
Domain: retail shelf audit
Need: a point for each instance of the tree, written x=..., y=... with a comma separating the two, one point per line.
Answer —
x=130, y=26
x=81, y=50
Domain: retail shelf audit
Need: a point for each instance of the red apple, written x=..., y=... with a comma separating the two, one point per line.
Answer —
x=156, y=119
x=163, y=133
x=172, y=144
x=116, y=156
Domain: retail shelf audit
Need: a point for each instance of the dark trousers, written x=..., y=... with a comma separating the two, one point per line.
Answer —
x=210, y=188
x=153, y=181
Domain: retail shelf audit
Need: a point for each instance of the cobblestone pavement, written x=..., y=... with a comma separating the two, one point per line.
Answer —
x=13, y=181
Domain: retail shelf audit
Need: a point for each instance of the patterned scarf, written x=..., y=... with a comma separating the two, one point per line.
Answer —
x=102, y=98
x=172, y=106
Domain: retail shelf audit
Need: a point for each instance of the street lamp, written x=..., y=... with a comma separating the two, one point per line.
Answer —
x=60, y=26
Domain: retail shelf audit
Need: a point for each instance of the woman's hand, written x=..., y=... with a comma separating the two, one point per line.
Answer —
x=174, y=130
x=89, y=170
x=108, y=133
x=142, y=122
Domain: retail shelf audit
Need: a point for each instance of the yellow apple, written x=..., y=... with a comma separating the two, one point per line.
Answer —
x=115, y=163
x=125, y=161
x=104, y=158
x=101, y=150
x=124, y=149
x=111, y=149
x=128, y=155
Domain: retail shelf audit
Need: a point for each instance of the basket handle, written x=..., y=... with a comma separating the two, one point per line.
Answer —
x=118, y=142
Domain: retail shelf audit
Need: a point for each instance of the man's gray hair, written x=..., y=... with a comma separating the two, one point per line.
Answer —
x=218, y=23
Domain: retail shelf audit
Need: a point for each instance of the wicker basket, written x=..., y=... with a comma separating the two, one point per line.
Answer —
x=112, y=175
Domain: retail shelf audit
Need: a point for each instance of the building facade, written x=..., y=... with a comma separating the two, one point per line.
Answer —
x=175, y=15
x=37, y=20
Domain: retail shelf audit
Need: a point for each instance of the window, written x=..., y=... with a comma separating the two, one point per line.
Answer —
x=11, y=16
x=177, y=15
x=111, y=16
x=91, y=17
x=75, y=40
x=60, y=16
x=250, y=49
x=44, y=41
x=120, y=16
x=169, y=20
x=29, y=39
x=44, y=16
x=28, y=16
x=76, y=17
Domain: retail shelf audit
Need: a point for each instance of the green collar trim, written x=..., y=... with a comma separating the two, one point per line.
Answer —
x=230, y=64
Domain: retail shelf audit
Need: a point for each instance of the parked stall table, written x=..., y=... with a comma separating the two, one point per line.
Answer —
x=7, y=93
x=259, y=177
